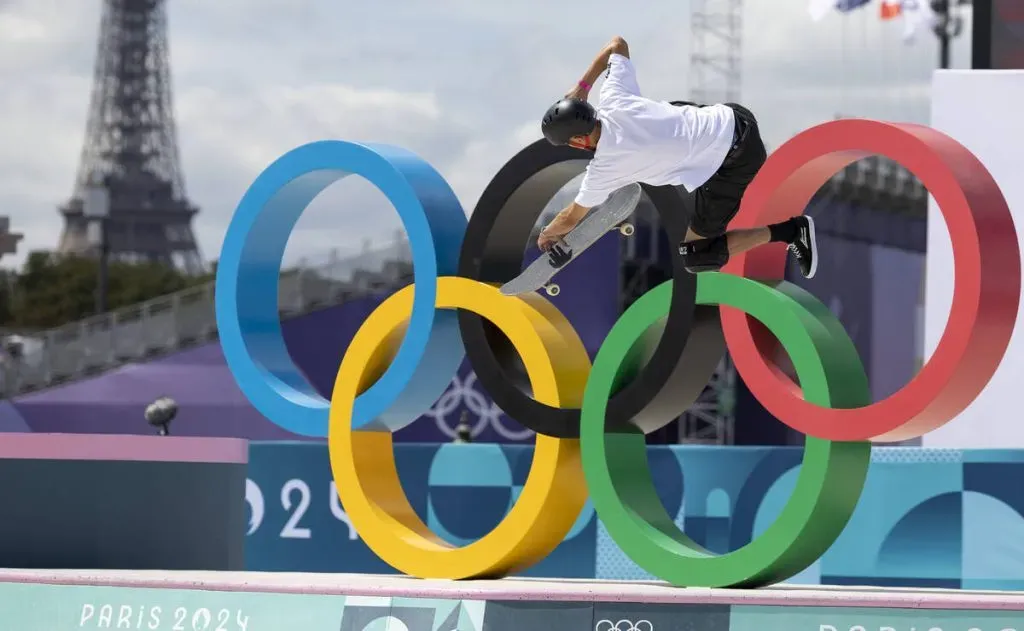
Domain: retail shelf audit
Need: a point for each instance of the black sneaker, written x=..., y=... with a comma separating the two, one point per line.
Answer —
x=804, y=247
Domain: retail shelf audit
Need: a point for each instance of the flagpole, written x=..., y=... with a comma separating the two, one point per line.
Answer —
x=947, y=27
x=941, y=8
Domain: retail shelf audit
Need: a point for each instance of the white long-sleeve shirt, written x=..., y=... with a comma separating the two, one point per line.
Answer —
x=652, y=142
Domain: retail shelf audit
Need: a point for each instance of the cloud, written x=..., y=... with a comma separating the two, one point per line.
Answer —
x=235, y=138
x=459, y=82
x=21, y=30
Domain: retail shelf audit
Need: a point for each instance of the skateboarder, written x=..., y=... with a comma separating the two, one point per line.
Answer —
x=712, y=151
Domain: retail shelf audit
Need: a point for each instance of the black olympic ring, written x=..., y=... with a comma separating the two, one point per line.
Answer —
x=677, y=360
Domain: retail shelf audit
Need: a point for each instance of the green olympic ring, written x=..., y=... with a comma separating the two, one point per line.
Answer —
x=831, y=476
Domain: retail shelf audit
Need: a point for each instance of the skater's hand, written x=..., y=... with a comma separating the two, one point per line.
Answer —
x=578, y=92
x=545, y=241
x=561, y=225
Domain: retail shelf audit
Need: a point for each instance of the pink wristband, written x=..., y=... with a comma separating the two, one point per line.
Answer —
x=585, y=85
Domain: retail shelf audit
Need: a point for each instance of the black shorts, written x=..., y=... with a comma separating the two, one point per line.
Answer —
x=713, y=205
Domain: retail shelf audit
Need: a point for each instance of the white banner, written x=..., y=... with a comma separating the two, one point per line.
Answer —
x=980, y=109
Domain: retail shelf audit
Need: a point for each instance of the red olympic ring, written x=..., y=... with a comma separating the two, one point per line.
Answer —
x=986, y=282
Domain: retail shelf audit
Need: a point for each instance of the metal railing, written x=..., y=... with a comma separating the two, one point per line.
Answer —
x=186, y=318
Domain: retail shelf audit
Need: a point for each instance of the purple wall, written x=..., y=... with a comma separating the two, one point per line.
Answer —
x=896, y=332
x=210, y=404
x=11, y=419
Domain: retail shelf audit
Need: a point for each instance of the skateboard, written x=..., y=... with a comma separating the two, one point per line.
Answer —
x=610, y=215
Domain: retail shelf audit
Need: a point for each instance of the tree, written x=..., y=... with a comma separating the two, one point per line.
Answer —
x=50, y=291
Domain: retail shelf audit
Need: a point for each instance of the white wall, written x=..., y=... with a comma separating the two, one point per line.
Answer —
x=983, y=111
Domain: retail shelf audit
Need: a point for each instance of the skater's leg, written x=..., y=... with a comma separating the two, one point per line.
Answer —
x=709, y=243
x=737, y=241
x=797, y=233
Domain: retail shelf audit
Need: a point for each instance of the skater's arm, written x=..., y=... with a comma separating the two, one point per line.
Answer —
x=617, y=46
x=574, y=212
x=568, y=217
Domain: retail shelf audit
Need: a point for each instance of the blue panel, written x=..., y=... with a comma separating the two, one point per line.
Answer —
x=927, y=518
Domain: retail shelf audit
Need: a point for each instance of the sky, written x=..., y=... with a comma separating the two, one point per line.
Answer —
x=462, y=83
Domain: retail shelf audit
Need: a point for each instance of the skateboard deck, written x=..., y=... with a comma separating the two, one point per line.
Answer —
x=616, y=209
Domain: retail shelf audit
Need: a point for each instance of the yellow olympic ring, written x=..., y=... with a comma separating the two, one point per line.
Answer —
x=363, y=461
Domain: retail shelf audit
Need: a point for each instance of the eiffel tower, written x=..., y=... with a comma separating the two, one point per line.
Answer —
x=131, y=146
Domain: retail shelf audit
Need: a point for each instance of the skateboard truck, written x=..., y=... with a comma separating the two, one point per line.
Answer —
x=559, y=254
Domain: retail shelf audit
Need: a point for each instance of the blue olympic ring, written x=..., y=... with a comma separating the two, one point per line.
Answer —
x=250, y=265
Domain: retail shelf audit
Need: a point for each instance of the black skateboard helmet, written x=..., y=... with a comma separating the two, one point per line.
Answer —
x=568, y=118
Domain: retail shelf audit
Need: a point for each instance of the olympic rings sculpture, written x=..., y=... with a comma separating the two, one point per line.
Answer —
x=591, y=419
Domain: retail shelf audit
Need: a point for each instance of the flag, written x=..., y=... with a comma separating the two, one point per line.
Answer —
x=821, y=8
x=890, y=9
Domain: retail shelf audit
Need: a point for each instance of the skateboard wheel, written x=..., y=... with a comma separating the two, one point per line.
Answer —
x=626, y=229
x=552, y=290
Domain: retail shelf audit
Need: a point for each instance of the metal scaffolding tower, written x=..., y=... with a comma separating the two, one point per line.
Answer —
x=716, y=76
x=131, y=147
x=716, y=58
